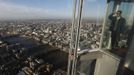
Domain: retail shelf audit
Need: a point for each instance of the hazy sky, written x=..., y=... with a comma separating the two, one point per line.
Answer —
x=39, y=9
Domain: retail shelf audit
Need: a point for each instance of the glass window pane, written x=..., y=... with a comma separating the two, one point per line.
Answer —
x=119, y=21
x=35, y=36
x=91, y=25
x=93, y=14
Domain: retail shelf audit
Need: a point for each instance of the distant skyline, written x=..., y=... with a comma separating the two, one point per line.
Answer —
x=43, y=9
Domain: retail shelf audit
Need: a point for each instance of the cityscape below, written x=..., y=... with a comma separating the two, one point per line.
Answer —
x=30, y=47
x=66, y=37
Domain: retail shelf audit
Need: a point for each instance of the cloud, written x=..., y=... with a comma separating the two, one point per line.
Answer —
x=14, y=11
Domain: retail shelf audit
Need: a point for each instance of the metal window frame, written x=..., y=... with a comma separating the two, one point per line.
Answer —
x=72, y=61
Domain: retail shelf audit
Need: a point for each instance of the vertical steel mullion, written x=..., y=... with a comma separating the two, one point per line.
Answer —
x=73, y=23
x=71, y=41
x=77, y=37
x=104, y=25
x=118, y=6
x=114, y=7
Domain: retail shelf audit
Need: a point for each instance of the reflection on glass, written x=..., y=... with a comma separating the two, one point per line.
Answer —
x=119, y=22
x=91, y=25
x=90, y=33
x=116, y=28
